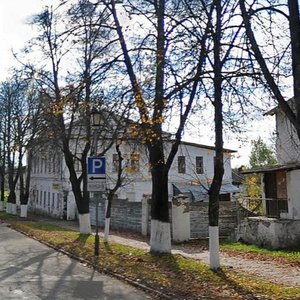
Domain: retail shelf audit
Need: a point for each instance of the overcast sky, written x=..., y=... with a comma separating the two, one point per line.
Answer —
x=15, y=32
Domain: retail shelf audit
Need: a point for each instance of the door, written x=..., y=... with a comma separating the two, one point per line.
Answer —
x=271, y=194
x=282, y=192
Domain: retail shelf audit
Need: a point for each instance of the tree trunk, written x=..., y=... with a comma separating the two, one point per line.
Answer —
x=25, y=199
x=25, y=186
x=265, y=70
x=215, y=187
x=2, y=188
x=23, y=213
x=81, y=201
x=294, y=23
x=22, y=187
x=160, y=238
x=111, y=194
x=2, y=181
x=12, y=209
x=2, y=168
x=107, y=218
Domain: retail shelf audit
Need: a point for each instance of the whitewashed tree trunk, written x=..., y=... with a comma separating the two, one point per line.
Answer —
x=106, y=230
x=145, y=215
x=23, y=213
x=214, y=248
x=107, y=224
x=160, y=239
x=1, y=206
x=8, y=207
x=85, y=223
x=14, y=208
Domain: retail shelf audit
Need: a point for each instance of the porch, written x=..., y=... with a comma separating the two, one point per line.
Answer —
x=272, y=221
x=280, y=191
x=267, y=207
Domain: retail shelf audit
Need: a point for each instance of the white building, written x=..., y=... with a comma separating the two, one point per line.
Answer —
x=281, y=182
x=191, y=173
x=280, y=227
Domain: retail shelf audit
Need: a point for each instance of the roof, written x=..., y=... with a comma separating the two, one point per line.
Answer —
x=199, y=191
x=206, y=147
x=274, y=110
x=270, y=169
x=237, y=177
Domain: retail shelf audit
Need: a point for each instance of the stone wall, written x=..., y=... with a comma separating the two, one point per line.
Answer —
x=270, y=232
x=124, y=215
x=199, y=219
x=130, y=216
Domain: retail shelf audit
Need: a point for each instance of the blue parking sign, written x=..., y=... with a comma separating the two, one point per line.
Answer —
x=96, y=166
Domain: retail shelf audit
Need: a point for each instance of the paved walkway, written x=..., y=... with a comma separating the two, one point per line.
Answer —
x=286, y=275
x=31, y=270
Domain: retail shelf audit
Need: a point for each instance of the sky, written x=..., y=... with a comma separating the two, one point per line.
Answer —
x=15, y=31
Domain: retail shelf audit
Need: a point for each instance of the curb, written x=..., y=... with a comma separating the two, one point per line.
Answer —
x=102, y=271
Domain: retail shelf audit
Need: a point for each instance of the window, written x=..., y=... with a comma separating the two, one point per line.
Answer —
x=115, y=162
x=34, y=162
x=45, y=165
x=37, y=197
x=181, y=164
x=45, y=195
x=49, y=162
x=53, y=199
x=135, y=162
x=40, y=165
x=58, y=201
x=199, y=164
x=58, y=163
x=54, y=163
x=224, y=197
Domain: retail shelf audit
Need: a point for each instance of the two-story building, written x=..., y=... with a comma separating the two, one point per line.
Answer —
x=190, y=174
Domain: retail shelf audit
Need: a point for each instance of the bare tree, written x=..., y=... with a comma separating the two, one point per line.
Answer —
x=19, y=121
x=161, y=77
x=75, y=41
x=3, y=137
x=280, y=57
x=11, y=96
x=227, y=84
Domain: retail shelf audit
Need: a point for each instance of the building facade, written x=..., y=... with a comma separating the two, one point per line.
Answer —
x=279, y=227
x=192, y=169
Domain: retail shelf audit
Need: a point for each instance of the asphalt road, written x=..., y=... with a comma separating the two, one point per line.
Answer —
x=31, y=270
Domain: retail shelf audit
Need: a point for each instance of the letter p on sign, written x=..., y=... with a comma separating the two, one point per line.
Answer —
x=96, y=166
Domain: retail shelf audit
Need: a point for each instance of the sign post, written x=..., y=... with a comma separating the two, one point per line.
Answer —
x=96, y=183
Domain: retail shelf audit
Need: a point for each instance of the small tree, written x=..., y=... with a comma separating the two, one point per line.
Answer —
x=261, y=155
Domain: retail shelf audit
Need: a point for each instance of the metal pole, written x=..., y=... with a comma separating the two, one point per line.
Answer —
x=96, y=195
x=97, y=229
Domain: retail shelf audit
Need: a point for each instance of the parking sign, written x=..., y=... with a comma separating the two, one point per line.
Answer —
x=96, y=174
x=96, y=166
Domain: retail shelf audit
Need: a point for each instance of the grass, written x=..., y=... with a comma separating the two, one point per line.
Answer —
x=174, y=275
x=292, y=256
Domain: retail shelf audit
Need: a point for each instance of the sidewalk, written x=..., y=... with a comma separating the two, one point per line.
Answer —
x=31, y=270
x=289, y=276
